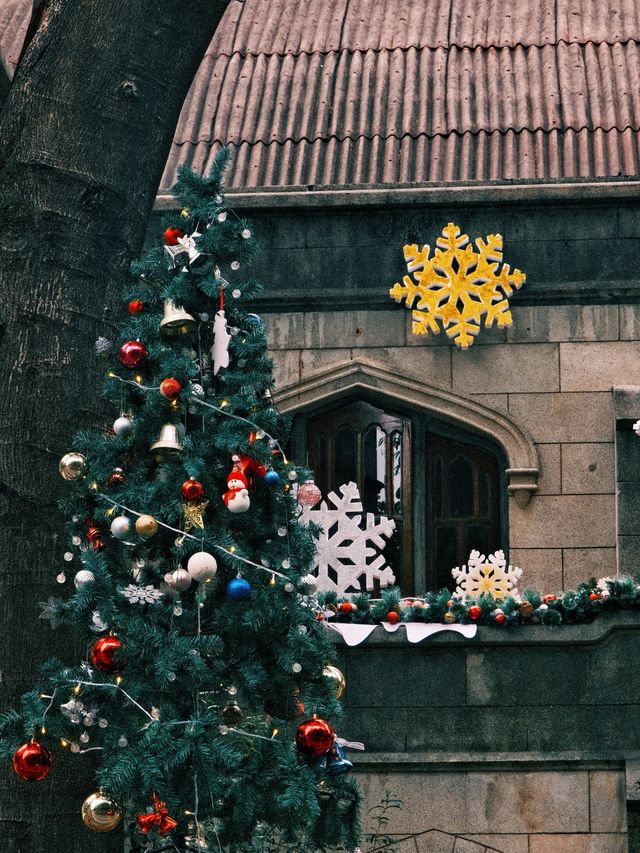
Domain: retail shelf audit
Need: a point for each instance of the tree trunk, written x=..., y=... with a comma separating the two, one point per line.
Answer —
x=84, y=136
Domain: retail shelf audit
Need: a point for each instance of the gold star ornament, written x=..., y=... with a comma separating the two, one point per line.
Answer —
x=193, y=513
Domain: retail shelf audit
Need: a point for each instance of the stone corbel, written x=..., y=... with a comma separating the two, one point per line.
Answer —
x=522, y=483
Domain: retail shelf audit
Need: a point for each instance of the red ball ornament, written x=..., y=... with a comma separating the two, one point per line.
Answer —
x=499, y=616
x=170, y=388
x=314, y=738
x=106, y=654
x=548, y=598
x=594, y=596
x=191, y=489
x=346, y=607
x=392, y=617
x=32, y=761
x=172, y=235
x=136, y=306
x=474, y=612
x=133, y=353
x=94, y=535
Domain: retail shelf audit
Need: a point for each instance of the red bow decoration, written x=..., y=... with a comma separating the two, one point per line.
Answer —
x=159, y=817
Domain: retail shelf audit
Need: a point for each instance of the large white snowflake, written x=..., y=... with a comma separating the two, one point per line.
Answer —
x=348, y=550
x=487, y=576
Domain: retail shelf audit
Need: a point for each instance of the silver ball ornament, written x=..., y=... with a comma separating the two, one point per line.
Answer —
x=180, y=580
x=308, y=584
x=123, y=425
x=83, y=577
x=121, y=527
x=202, y=566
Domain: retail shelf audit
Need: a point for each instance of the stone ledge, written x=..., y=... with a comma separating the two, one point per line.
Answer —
x=419, y=762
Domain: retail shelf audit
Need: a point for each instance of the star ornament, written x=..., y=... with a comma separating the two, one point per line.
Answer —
x=193, y=515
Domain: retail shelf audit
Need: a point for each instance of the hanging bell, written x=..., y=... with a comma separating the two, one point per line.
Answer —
x=176, y=321
x=177, y=255
x=168, y=446
x=267, y=397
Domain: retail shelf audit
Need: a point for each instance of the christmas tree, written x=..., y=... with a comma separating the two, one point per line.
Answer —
x=207, y=692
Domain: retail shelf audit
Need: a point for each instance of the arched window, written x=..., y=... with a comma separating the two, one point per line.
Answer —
x=443, y=487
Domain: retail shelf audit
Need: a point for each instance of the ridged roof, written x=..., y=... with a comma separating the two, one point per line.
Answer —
x=396, y=92
x=386, y=91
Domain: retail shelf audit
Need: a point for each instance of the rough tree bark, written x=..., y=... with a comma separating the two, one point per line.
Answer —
x=84, y=135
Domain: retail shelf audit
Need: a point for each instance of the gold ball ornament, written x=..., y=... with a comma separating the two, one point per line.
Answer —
x=73, y=466
x=146, y=526
x=449, y=617
x=337, y=679
x=100, y=813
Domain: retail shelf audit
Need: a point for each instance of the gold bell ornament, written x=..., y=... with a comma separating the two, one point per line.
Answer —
x=175, y=321
x=100, y=812
x=168, y=446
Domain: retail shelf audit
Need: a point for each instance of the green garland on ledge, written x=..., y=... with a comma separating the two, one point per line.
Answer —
x=583, y=604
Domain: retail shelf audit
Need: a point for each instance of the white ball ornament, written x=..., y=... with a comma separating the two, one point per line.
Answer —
x=123, y=425
x=180, y=580
x=121, y=527
x=202, y=566
x=83, y=577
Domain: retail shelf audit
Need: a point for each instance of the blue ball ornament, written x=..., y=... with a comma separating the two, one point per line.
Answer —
x=239, y=589
x=253, y=321
x=272, y=477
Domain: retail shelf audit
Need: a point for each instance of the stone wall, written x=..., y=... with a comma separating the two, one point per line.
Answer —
x=524, y=740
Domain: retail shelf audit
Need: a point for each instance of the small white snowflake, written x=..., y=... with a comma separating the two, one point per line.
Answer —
x=348, y=550
x=636, y=427
x=487, y=576
x=142, y=594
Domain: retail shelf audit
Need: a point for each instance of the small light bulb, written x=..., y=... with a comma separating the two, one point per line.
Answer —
x=118, y=679
x=272, y=580
x=43, y=731
x=224, y=403
x=110, y=374
x=64, y=743
x=232, y=549
x=77, y=689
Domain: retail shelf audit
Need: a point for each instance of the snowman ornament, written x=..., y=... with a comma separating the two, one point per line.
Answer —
x=237, y=497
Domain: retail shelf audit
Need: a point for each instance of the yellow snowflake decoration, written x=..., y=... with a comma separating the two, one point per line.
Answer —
x=485, y=576
x=458, y=286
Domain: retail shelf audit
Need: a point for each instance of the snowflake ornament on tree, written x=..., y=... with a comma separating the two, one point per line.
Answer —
x=487, y=576
x=142, y=594
x=348, y=550
x=458, y=285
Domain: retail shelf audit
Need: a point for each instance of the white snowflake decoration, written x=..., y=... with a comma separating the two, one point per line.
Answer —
x=636, y=427
x=348, y=549
x=487, y=576
x=142, y=594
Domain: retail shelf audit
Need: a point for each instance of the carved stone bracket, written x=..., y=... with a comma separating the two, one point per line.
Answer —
x=522, y=483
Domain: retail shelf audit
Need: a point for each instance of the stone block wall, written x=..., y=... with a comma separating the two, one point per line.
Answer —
x=559, y=391
x=522, y=740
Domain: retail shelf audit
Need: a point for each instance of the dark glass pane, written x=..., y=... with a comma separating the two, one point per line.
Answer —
x=392, y=551
x=396, y=450
x=477, y=538
x=321, y=473
x=438, y=486
x=485, y=494
x=460, y=483
x=345, y=458
x=446, y=553
x=374, y=451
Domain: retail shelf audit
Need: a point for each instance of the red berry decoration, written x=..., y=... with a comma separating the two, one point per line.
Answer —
x=191, y=489
x=133, y=354
x=136, y=306
x=106, y=654
x=172, y=235
x=594, y=596
x=314, y=738
x=346, y=607
x=474, y=612
x=392, y=617
x=32, y=761
x=549, y=598
x=170, y=388
x=116, y=478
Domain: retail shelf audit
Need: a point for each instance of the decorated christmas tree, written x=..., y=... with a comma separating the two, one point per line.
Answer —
x=207, y=691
